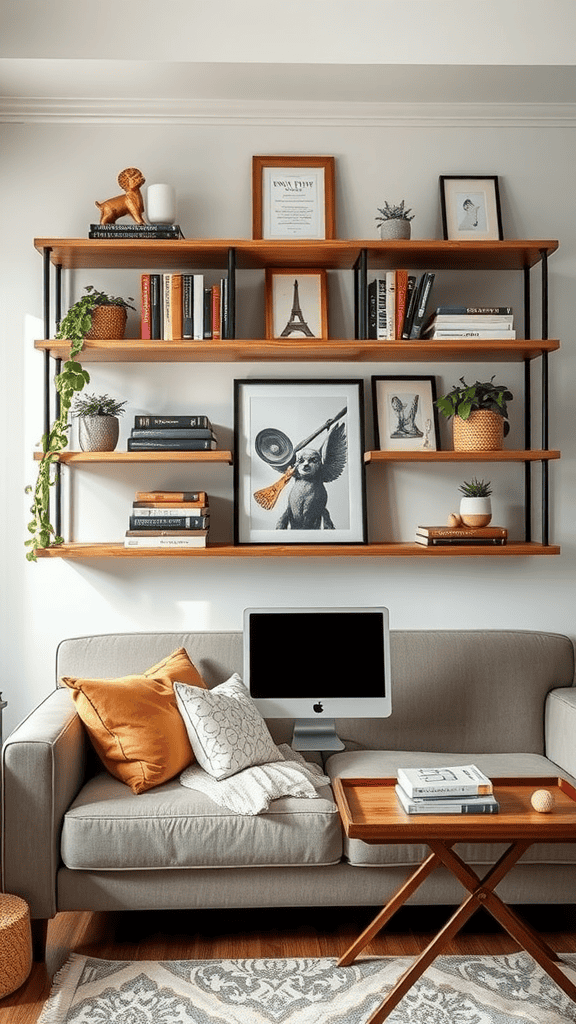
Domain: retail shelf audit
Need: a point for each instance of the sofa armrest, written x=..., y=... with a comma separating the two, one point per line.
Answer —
x=43, y=767
x=560, y=728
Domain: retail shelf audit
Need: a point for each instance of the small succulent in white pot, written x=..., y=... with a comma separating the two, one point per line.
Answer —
x=394, y=221
x=98, y=423
x=475, y=506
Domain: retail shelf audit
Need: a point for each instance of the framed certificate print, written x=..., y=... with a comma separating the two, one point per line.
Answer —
x=293, y=197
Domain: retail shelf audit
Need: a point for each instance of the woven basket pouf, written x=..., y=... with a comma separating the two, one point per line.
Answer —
x=15, y=943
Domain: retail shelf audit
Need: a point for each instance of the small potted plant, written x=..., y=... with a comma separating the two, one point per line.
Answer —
x=98, y=423
x=480, y=414
x=475, y=505
x=95, y=315
x=394, y=221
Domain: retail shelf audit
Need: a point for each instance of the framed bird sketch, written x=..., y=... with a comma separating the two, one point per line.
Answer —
x=299, y=462
x=405, y=414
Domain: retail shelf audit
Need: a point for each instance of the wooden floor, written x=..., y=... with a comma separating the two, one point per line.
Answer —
x=190, y=935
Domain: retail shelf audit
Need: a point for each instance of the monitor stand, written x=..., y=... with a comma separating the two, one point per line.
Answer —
x=311, y=734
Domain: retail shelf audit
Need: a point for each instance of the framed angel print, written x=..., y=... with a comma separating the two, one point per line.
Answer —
x=299, y=462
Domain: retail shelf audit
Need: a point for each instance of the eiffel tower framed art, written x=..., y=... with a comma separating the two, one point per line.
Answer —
x=296, y=304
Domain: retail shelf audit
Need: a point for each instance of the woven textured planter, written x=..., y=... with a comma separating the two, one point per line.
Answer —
x=483, y=431
x=98, y=433
x=108, y=322
x=15, y=943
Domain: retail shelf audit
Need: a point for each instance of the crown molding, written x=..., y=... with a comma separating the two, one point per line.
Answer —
x=105, y=111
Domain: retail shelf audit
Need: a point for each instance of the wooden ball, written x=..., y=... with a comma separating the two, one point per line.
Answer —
x=454, y=519
x=542, y=800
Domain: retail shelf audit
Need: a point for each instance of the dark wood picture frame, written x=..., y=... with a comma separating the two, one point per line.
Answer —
x=470, y=206
x=400, y=422
x=279, y=217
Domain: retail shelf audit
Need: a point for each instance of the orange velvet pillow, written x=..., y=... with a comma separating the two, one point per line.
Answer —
x=134, y=722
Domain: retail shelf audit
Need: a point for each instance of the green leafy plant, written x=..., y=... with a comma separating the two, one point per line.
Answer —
x=476, y=488
x=72, y=379
x=97, y=405
x=78, y=320
x=465, y=398
x=393, y=213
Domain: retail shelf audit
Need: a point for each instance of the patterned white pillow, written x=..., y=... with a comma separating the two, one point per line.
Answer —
x=226, y=731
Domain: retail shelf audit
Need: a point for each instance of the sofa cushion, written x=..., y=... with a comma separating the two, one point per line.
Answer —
x=107, y=828
x=134, y=722
x=371, y=764
x=225, y=728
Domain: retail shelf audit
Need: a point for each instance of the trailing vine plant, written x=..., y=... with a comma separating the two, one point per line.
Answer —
x=72, y=378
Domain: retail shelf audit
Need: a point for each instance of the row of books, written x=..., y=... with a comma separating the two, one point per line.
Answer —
x=168, y=519
x=397, y=304
x=135, y=231
x=435, y=536
x=470, y=322
x=461, y=789
x=179, y=306
x=172, y=434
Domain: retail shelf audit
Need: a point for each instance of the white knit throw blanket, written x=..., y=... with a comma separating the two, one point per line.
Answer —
x=252, y=790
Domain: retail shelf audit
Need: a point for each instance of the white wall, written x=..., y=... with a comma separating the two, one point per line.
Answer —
x=53, y=168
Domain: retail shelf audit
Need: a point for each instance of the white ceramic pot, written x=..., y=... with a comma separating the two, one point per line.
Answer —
x=475, y=511
x=398, y=228
x=161, y=204
x=98, y=433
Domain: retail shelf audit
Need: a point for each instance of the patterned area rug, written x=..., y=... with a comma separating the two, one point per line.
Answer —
x=454, y=990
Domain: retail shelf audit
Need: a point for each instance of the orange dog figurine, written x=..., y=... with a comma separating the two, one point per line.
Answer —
x=130, y=204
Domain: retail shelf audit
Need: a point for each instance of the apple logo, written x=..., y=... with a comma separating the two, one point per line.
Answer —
x=318, y=708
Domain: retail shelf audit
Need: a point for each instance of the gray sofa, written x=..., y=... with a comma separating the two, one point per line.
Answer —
x=75, y=838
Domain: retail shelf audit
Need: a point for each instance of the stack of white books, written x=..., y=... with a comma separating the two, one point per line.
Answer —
x=460, y=789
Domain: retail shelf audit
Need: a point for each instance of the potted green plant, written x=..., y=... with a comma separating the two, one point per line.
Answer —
x=394, y=221
x=475, y=505
x=98, y=422
x=479, y=412
x=95, y=315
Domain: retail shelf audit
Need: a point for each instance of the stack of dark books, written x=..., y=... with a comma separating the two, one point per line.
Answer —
x=432, y=536
x=135, y=231
x=172, y=434
x=168, y=519
x=462, y=789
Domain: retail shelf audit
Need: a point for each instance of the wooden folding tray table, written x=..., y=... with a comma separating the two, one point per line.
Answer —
x=370, y=811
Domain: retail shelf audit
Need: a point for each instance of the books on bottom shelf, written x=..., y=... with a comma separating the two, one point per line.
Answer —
x=168, y=519
x=431, y=536
x=459, y=789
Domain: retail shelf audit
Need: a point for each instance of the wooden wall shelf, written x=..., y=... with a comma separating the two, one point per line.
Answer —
x=134, y=350
x=504, y=455
x=117, y=550
x=91, y=458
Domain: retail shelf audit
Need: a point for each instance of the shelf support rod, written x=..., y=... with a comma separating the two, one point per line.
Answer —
x=527, y=446
x=231, y=331
x=46, y=302
x=545, y=410
x=361, y=296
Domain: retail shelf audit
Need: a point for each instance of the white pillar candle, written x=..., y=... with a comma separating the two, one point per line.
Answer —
x=161, y=204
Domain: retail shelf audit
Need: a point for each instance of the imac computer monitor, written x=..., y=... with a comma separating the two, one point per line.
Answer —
x=314, y=665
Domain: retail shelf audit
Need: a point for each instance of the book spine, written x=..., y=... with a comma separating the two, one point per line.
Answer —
x=207, y=314
x=156, y=306
x=153, y=496
x=166, y=307
x=216, y=313
x=182, y=433
x=462, y=541
x=448, y=333
x=152, y=514
x=390, y=304
x=473, y=310
x=401, y=295
x=137, y=229
x=224, y=327
x=198, y=325
x=137, y=444
x=145, y=308
x=372, y=306
x=187, y=305
x=464, y=531
x=471, y=806
x=172, y=421
x=420, y=310
x=413, y=293
x=381, y=311
x=176, y=307
x=192, y=541
x=169, y=523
